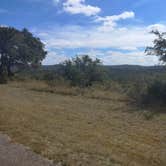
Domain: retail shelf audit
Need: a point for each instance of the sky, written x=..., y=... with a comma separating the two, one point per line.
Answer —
x=115, y=31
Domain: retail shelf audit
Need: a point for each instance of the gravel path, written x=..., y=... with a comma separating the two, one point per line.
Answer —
x=17, y=155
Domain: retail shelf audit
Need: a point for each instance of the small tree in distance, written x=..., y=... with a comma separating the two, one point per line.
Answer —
x=82, y=71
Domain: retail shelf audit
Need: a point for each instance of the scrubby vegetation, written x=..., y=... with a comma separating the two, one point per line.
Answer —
x=21, y=51
x=155, y=94
x=134, y=81
x=82, y=71
x=144, y=86
x=81, y=112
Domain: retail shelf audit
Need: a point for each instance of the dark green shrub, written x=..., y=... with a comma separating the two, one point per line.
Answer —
x=3, y=77
x=82, y=71
x=52, y=79
x=156, y=94
x=136, y=90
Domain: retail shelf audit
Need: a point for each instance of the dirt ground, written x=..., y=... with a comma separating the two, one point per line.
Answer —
x=82, y=130
x=17, y=155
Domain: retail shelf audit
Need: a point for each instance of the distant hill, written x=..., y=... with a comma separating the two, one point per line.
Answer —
x=50, y=67
x=136, y=67
x=126, y=73
x=117, y=67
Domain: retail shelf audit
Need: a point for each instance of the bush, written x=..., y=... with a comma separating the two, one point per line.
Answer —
x=53, y=79
x=3, y=77
x=156, y=94
x=3, y=80
x=82, y=71
x=136, y=90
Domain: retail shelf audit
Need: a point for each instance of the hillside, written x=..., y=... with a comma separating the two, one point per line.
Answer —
x=95, y=128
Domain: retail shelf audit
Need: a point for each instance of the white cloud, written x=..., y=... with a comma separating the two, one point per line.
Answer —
x=105, y=35
x=130, y=58
x=79, y=7
x=130, y=39
x=107, y=57
x=3, y=26
x=159, y=27
x=127, y=38
x=54, y=58
x=121, y=58
x=110, y=22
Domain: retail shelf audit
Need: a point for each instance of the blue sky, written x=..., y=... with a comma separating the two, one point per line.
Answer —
x=116, y=31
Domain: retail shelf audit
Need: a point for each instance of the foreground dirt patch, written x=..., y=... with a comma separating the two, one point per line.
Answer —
x=17, y=155
x=81, y=131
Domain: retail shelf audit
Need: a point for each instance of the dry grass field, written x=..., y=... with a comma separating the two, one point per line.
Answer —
x=76, y=128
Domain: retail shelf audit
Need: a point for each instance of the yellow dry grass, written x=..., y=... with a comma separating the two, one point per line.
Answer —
x=94, y=128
